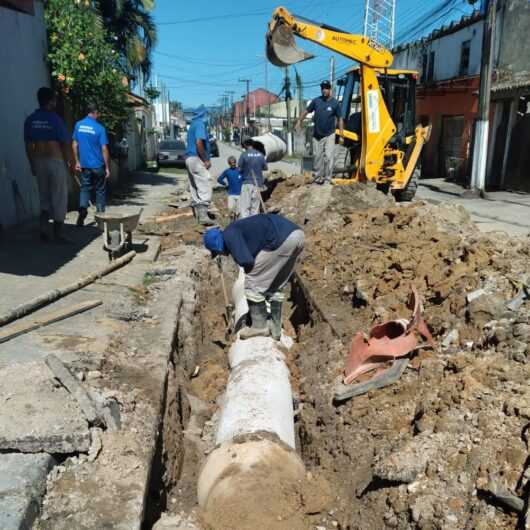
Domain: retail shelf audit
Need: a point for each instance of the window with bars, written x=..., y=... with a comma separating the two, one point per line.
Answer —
x=464, y=58
x=430, y=70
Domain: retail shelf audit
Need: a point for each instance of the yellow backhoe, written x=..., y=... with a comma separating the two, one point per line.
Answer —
x=377, y=103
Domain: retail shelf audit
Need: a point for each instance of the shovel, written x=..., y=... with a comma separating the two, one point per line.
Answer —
x=229, y=308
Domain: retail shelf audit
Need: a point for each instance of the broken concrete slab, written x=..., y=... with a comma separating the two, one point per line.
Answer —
x=22, y=486
x=37, y=416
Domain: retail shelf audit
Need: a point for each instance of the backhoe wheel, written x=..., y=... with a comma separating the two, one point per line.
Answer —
x=409, y=191
x=383, y=188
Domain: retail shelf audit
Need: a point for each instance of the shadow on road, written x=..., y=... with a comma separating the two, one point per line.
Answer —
x=22, y=253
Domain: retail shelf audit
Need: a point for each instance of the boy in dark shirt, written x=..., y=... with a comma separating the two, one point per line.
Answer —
x=252, y=163
x=231, y=178
x=266, y=246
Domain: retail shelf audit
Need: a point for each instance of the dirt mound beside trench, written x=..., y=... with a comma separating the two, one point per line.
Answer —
x=428, y=451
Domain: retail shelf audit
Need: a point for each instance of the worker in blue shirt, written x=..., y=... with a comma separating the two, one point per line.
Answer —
x=326, y=111
x=231, y=178
x=198, y=165
x=267, y=246
x=251, y=163
x=47, y=149
x=92, y=160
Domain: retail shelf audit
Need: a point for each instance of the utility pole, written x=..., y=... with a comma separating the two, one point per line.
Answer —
x=268, y=95
x=230, y=104
x=247, y=109
x=480, y=148
x=332, y=73
x=287, y=86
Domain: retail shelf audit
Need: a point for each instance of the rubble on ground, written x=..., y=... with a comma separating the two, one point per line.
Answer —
x=431, y=450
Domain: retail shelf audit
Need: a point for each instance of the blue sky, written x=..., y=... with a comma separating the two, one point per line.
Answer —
x=200, y=59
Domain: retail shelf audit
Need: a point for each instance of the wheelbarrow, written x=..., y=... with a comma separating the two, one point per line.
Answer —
x=117, y=231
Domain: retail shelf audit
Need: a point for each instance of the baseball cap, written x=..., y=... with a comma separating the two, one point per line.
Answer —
x=325, y=84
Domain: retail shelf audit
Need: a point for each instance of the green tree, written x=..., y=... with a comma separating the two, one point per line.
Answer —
x=133, y=31
x=84, y=65
x=152, y=93
x=175, y=106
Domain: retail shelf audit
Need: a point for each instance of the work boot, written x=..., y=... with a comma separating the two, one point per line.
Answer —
x=201, y=212
x=276, y=320
x=43, y=226
x=258, y=316
x=58, y=235
x=81, y=217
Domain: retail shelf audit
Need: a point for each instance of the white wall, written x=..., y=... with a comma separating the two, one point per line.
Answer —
x=22, y=72
x=447, y=53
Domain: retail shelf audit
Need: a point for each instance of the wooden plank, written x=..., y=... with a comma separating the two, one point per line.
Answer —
x=63, y=375
x=45, y=320
x=173, y=217
x=55, y=294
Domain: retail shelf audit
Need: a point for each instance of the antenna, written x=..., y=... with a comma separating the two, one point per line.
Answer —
x=379, y=21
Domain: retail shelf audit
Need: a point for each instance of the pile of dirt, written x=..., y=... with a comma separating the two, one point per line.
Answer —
x=431, y=450
x=362, y=261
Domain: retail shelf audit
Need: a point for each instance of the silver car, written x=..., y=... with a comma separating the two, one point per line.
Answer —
x=172, y=153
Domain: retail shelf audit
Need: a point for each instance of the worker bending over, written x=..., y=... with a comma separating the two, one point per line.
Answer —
x=252, y=163
x=267, y=247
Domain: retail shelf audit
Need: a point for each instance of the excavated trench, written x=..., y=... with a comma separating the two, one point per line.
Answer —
x=197, y=378
x=417, y=454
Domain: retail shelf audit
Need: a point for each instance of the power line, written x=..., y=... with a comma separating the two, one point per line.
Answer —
x=230, y=16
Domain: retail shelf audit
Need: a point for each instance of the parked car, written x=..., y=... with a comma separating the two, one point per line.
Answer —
x=172, y=153
x=214, y=148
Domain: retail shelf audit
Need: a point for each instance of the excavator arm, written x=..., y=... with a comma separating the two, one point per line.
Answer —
x=282, y=50
x=381, y=158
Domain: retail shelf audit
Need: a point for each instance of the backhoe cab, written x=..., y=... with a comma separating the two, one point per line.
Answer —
x=377, y=103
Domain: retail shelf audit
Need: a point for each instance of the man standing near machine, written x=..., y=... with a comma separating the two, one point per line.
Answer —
x=326, y=111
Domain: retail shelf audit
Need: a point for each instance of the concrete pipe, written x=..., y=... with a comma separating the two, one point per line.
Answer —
x=255, y=437
x=258, y=395
x=274, y=148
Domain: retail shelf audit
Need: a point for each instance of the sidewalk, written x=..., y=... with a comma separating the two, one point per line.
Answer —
x=498, y=211
x=100, y=348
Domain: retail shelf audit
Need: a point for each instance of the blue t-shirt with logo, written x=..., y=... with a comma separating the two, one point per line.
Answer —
x=252, y=164
x=197, y=131
x=326, y=111
x=231, y=177
x=44, y=125
x=90, y=136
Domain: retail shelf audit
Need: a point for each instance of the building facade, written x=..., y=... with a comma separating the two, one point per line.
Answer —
x=448, y=64
x=253, y=104
x=509, y=156
x=23, y=71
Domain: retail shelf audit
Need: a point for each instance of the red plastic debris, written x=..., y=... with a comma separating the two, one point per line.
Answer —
x=387, y=342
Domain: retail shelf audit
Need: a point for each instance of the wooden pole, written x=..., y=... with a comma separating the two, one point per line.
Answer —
x=45, y=320
x=55, y=294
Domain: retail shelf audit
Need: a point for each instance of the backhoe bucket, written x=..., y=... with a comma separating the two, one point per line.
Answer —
x=281, y=47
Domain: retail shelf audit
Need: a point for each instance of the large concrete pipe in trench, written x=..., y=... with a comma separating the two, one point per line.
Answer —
x=274, y=148
x=255, y=436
